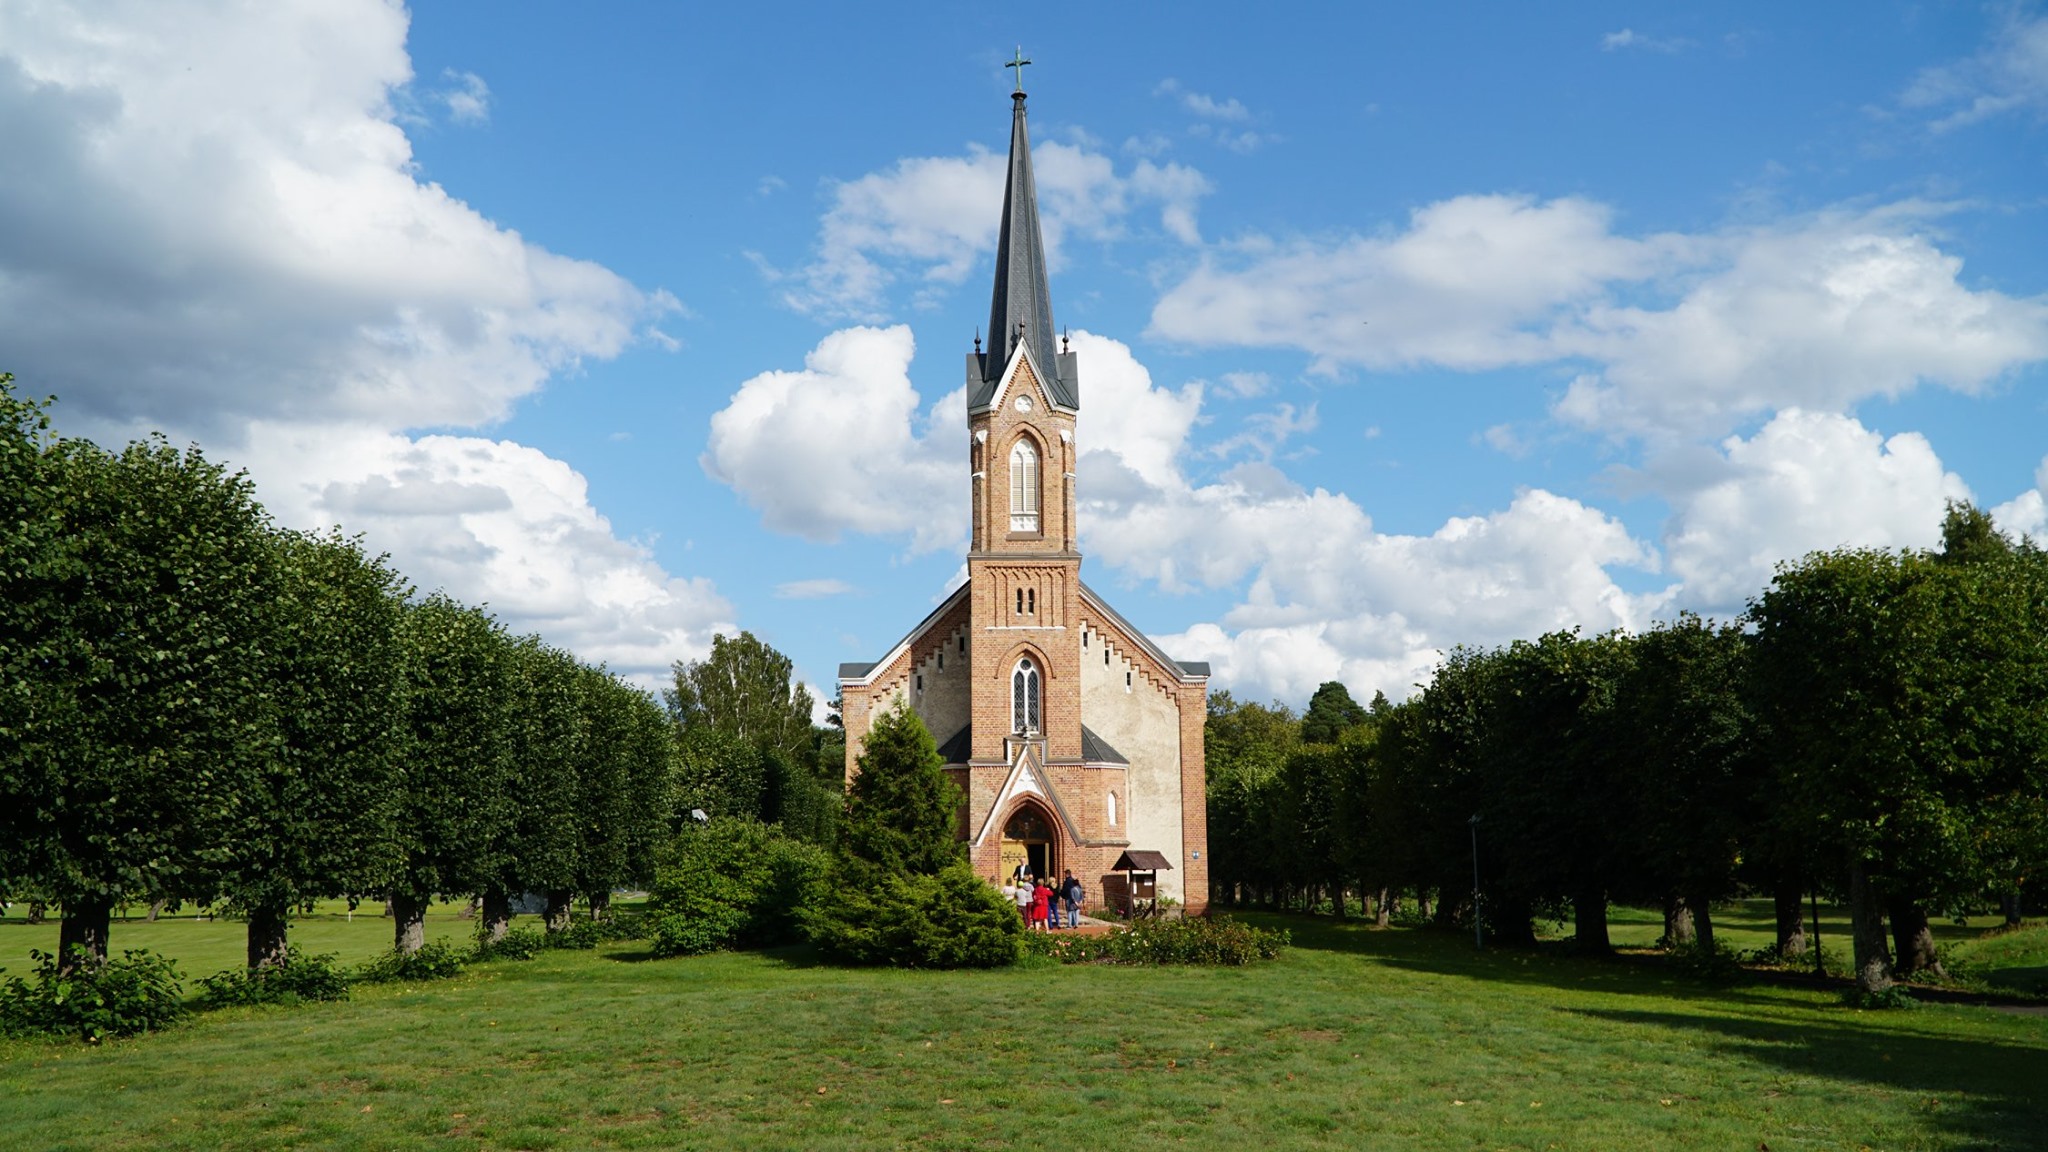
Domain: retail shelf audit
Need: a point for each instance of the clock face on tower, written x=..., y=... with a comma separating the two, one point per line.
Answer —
x=1023, y=403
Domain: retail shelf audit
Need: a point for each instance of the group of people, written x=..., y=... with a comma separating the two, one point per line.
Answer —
x=1039, y=902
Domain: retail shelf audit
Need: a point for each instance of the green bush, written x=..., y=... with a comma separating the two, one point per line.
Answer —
x=299, y=978
x=952, y=919
x=733, y=884
x=436, y=960
x=515, y=944
x=1720, y=964
x=137, y=993
x=1894, y=996
x=1213, y=940
x=583, y=935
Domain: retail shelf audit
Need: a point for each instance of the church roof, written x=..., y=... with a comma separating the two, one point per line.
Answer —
x=854, y=670
x=1187, y=670
x=1022, y=293
x=957, y=746
x=1096, y=750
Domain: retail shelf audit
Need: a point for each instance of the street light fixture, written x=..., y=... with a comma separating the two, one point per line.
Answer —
x=1478, y=930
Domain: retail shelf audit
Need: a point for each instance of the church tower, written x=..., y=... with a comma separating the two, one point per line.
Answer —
x=1076, y=743
x=1023, y=400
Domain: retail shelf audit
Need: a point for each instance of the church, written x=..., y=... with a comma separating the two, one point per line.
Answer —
x=1074, y=739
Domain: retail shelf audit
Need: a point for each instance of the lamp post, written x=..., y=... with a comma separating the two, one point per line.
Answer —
x=1478, y=930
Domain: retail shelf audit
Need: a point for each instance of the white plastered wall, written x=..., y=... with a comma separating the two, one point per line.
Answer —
x=1143, y=723
x=945, y=701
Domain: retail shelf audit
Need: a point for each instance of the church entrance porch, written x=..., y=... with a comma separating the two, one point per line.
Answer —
x=1031, y=840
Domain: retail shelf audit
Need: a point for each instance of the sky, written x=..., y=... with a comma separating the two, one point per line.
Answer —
x=1400, y=326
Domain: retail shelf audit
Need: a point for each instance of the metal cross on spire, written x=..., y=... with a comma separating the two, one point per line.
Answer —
x=1018, y=63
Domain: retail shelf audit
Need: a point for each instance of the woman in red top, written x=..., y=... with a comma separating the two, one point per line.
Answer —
x=1041, y=898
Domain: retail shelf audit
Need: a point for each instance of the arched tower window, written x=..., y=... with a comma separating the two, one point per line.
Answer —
x=1024, y=696
x=1023, y=487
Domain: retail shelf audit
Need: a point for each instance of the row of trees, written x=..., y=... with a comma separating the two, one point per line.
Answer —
x=198, y=705
x=1875, y=729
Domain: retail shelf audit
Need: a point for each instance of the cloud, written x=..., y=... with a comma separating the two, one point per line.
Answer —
x=215, y=227
x=243, y=236
x=1225, y=122
x=841, y=446
x=1629, y=38
x=496, y=522
x=1322, y=592
x=818, y=589
x=1806, y=481
x=930, y=220
x=2008, y=74
x=468, y=98
x=2027, y=513
x=1682, y=335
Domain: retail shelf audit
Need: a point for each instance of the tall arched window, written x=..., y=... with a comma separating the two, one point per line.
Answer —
x=1024, y=696
x=1023, y=487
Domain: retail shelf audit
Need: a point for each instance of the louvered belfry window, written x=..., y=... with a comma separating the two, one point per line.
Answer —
x=1023, y=487
x=1024, y=696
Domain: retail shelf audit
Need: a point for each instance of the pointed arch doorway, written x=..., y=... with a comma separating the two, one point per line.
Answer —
x=1030, y=838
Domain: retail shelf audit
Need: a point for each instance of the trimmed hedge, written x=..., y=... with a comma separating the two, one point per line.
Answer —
x=1193, y=940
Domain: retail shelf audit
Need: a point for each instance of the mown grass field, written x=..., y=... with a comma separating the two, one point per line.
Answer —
x=1354, y=1039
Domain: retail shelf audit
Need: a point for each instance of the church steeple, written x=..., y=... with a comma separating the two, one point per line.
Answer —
x=1021, y=306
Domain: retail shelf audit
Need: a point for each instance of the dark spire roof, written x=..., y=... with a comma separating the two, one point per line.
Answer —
x=1022, y=295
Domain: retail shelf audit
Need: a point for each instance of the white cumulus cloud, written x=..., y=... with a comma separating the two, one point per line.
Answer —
x=214, y=227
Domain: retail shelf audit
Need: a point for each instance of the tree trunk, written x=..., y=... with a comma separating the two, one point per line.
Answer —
x=1914, y=939
x=156, y=909
x=1872, y=953
x=497, y=913
x=558, y=909
x=2010, y=905
x=1384, y=914
x=1337, y=900
x=86, y=925
x=1512, y=924
x=1589, y=920
x=37, y=910
x=600, y=905
x=409, y=924
x=1678, y=926
x=1702, y=913
x=1791, y=920
x=267, y=928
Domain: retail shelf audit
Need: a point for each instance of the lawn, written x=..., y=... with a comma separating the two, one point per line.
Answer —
x=1355, y=1038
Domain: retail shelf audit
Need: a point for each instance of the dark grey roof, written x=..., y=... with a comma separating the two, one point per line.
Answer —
x=855, y=670
x=1194, y=667
x=957, y=746
x=1142, y=860
x=1022, y=294
x=1096, y=750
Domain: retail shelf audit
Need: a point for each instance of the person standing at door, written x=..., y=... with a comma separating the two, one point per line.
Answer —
x=1041, y=900
x=1070, y=895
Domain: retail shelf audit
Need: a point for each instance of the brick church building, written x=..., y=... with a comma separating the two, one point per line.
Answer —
x=1072, y=736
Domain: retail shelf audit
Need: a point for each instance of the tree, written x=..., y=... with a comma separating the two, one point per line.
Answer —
x=744, y=690
x=317, y=819
x=902, y=813
x=1246, y=747
x=544, y=795
x=1331, y=713
x=149, y=690
x=1695, y=785
x=456, y=818
x=30, y=528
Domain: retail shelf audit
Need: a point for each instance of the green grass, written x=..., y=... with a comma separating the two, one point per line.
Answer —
x=203, y=947
x=1354, y=1039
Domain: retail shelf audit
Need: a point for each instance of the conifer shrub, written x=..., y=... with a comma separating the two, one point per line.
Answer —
x=138, y=993
x=733, y=884
x=949, y=919
x=300, y=978
x=435, y=960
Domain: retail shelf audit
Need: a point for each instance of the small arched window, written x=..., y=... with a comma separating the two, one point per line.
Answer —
x=1112, y=808
x=1024, y=696
x=1023, y=487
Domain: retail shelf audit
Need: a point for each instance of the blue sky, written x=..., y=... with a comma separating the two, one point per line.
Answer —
x=1401, y=326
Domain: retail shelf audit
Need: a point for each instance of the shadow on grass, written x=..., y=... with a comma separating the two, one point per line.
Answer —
x=2034, y=980
x=2004, y=1084
x=1554, y=964
x=788, y=956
